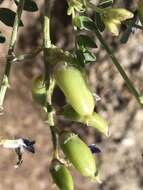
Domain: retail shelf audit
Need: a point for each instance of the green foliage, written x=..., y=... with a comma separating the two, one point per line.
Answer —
x=129, y=28
x=7, y=16
x=29, y=5
x=83, y=23
x=99, y=22
x=84, y=55
x=85, y=41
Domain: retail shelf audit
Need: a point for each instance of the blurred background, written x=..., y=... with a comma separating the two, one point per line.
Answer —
x=121, y=160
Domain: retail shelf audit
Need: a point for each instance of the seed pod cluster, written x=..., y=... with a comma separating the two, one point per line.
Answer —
x=80, y=108
x=74, y=85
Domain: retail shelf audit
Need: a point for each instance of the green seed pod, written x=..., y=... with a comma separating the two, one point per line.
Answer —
x=72, y=83
x=95, y=120
x=61, y=176
x=39, y=90
x=140, y=10
x=78, y=154
x=98, y=122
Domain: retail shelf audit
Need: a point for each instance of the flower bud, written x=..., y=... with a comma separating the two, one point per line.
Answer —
x=112, y=18
x=111, y=27
x=118, y=14
x=140, y=10
x=75, y=88
x=39, y=90
x=61, y=176
x=75, y=5
x=78, y=154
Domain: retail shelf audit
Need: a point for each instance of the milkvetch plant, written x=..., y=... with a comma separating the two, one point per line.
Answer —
x=67, y=70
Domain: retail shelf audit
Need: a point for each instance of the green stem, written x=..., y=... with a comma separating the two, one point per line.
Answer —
x=49, y=81
x=5, y=80
x=118, y=66
x=51, y=122
x=27, y=56
x=47, y=40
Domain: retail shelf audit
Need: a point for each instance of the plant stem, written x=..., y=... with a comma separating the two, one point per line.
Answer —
x=51, y=123
x=27, y=56
x=47, y=40
x=49, y=81
x=118, y=66
x=5, y=80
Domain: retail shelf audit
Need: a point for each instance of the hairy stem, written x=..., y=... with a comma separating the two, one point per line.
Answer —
x=47, y=40
x=49, y=81
x=118, y=66
x=5, y=80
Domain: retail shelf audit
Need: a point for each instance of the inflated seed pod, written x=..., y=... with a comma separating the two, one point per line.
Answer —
x=78, y=153
x=98, y=123
x=72, y=83
x=95, y=120
x=61, y=176
x=140, y=10
x=39, y=90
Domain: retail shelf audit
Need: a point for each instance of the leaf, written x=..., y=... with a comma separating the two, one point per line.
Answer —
x=80, y=57
x=89, y=56
x=7, y=16
x=2, y=38
x=85, y=57
x=83, y=22
x=85, y=41
x=29, y=5
x=99, y=22
x=130, y=28
x=105, y=3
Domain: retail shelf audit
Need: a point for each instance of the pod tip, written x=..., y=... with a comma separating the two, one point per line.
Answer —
x=97, y=178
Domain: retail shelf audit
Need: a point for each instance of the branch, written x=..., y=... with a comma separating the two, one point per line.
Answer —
x=5, y=80
x=118, y=66
x=49, y=81
x=27, y=56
